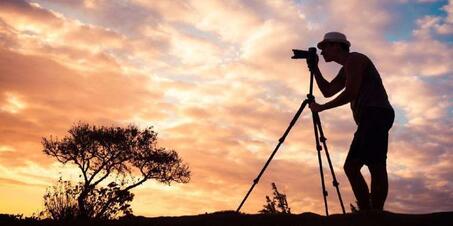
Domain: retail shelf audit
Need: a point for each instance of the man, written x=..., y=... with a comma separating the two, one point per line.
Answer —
x=371, y=110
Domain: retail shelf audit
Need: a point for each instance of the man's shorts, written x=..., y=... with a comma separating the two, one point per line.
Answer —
x=370, y=142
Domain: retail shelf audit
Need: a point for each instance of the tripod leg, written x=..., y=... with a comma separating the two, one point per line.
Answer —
x=319, y=148
x=323, y=140
x=281, y=140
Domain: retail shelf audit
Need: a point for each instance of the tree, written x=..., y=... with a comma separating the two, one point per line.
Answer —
x=278, y=204
x=126, y=155
x=98, y=205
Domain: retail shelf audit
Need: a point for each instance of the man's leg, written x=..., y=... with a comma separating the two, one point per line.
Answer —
x=379, y=185
x=359, y=187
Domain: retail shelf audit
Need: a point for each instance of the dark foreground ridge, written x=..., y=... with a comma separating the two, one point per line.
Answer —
x=230, y=218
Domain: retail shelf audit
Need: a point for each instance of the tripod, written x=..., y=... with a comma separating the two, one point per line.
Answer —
x=319, y=138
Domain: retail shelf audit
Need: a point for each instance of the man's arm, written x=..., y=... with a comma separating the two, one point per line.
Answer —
x=354, y=70
x=329, y=89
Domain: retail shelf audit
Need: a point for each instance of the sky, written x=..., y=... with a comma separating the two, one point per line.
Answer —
x=216, y=81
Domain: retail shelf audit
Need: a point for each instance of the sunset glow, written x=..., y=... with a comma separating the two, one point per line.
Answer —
x=215, y=80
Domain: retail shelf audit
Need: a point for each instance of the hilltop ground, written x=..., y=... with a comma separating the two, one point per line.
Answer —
x=234, y=219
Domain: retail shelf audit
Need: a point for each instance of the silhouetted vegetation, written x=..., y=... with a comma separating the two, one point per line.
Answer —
x=278, y=203
x=354, y=209
x=127, y=157
x=60, y=201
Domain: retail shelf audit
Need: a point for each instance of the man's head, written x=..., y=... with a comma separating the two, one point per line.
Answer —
x=333, y=45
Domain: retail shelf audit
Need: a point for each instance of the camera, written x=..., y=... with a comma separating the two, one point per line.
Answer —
x=304, y=54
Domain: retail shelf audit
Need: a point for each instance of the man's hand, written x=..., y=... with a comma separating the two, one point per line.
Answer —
x=312, y=63
x=315, y=107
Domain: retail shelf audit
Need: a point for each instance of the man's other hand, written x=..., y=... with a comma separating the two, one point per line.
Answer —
x=315, y=107
x=312, y=63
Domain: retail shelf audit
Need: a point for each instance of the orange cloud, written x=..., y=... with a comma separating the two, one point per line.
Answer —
x=217, y=82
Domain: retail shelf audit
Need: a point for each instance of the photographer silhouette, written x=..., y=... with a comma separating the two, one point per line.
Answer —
x=363, y=89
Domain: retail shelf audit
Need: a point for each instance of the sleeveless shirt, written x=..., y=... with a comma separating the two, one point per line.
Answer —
x=372, y=92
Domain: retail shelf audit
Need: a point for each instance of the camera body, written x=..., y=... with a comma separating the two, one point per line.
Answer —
x=304, y=54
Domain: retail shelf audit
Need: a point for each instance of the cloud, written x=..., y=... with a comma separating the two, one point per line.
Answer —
x=217, y=82
x=438, y=25
x=38, y=101
x=7, y=181
x=416, y=189
x=39, y=31
x=240, y=17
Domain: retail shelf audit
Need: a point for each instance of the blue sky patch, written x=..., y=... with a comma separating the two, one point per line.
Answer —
x=407, y=14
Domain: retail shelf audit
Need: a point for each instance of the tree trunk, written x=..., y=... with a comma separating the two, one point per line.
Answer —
x=82, y=208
